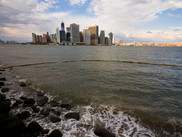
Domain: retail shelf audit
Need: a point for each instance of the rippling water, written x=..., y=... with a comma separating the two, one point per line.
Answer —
x=150, y=93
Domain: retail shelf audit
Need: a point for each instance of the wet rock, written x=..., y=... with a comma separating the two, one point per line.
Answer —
x=14, y=105
x=88, y=127
x=3, y=79
x=45, y=112
x=35, y=109
x=0, y=73
x=2, y=84
x=2, y=97
x=34, y=129
x=55, y=133
x=29, y=101
x=42, y=100
x=22, y=84
x=2, y=69
x=54, y=119
x=45, y=131
x=66, y=106
x=12, y=127
x=19, y=101
x=102, y=132
x=73, y=115
x=23, y=98
x=3, y=90
x=24, y=115
x=54, y=103
x=39, y=93
x=5, y=106
x=57, y=113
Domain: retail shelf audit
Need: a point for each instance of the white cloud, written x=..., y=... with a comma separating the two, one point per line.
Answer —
x=77, y=2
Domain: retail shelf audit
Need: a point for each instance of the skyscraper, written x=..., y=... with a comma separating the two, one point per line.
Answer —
x=74, y=29
x=102, y=37
x=62, y=36
x=58, y=35
x=86, y=36
x=94, y=34
x=110, y=38
x=68, y=35
x=34, y=38
x=62, y=26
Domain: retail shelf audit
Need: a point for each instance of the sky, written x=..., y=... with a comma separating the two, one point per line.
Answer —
x=129, y=20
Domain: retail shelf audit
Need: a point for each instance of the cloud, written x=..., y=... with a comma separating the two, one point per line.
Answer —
x=121, y=17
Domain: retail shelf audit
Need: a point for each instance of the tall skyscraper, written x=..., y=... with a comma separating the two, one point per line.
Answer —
x=110, y=38
x=102, y=38
x=86, y=36
x=58, y=35
x=94, y=34
x=68, y=34
x=62, y=36
x=81, y=37
x=62, y=26
x=74, y=29
x=34, y=38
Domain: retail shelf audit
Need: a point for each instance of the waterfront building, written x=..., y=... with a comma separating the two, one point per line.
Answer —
x=110, y=38
x=81, y=37
x=74, y=29
x=102, y=38
x=57, y=35
x=44, y=39
x=94, y=34
x=86, y=36
x=106, y=41
x=53, y=38
x=48, y=37
x=39, y=39
x=62, y=36
x=113, y=41
x=34, y=38
x=68, y=34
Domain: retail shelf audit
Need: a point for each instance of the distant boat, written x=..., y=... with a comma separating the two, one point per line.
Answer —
x=117, y=45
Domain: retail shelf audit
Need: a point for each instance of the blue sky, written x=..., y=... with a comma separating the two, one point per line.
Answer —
x=132, y=20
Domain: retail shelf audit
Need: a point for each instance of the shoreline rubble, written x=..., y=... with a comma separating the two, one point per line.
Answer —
x=19, y=110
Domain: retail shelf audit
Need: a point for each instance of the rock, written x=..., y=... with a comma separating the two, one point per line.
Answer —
x=3, y=90
x=102, y=132
x=54, y=103
x=14, y=105
x=34, y=129
x=55, y=133
x=23, y=98
x=42, y=100
x=45, y=112
x=5, y=106
x=13, y=127
x=19, y=101
x=39, y=93
x=45, y=131
x=2, y=84
x=29, y=101
x=73, y=115
x=24, y=115
x=22, y=84
x=66, y=106
x=35, y=109
x=0, y=73
x=2, y=97
x=54, y=119
x=57, y=113
x=2, y=69
x=3, y=79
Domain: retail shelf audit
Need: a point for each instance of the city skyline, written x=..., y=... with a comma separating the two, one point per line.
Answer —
x=135, y=20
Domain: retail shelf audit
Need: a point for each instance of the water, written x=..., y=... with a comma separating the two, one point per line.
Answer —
x=150, y=94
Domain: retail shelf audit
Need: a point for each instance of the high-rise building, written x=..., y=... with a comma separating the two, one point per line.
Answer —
x=68, y=34
x=81, y=37
x=74, y=29
x=34, y=38
x=58, y=35
x=106, y=41
x=102, y=37
x=44, y=39
x=94, y=34
x=86, y=36
x=110, y=38
x=62, y=26
x=53, y=38
x=62, y=36
x=39, y=39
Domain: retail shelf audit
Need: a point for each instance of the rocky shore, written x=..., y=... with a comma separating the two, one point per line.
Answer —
x=25, y=112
